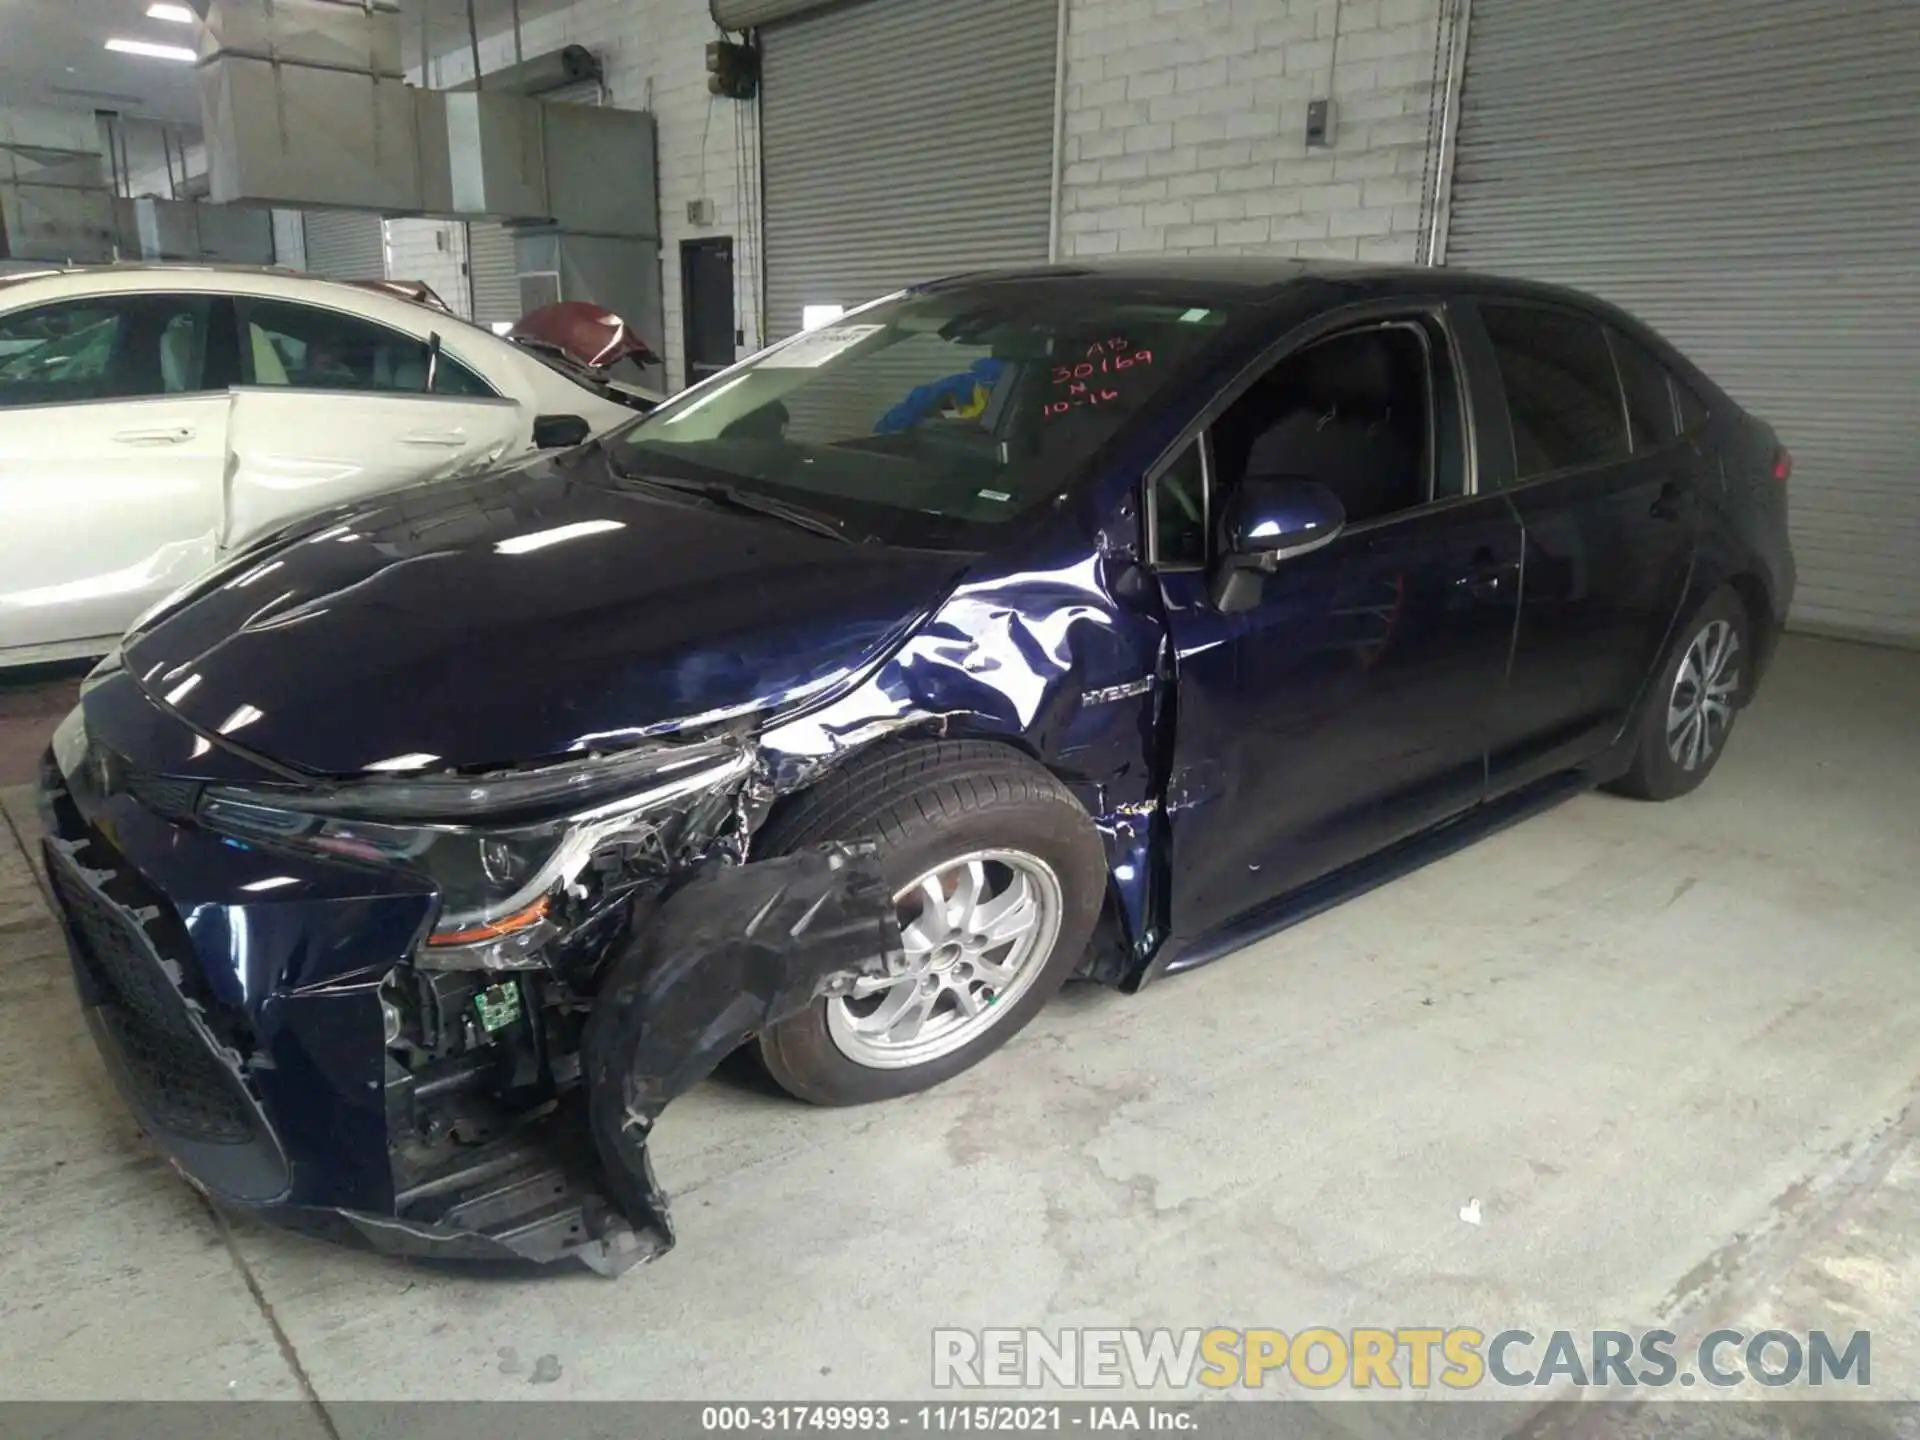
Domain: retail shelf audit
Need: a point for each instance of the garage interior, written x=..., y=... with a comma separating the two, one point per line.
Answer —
x=1618, y=1066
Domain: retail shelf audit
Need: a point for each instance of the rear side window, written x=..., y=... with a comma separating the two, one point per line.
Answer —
x=307, y=348
x=1649, y=401
x=1562, y=395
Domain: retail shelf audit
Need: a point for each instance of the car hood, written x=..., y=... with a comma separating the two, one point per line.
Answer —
x=523, y=616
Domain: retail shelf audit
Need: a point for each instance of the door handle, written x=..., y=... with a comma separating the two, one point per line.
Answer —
x=159, y=435
x=1486, y=577
x=1671, y=503
x=442, y=439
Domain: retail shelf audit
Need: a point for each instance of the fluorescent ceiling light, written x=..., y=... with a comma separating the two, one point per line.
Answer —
x=559, y=535
x=412, y=760
x=240, y=719
x=178, y=14
x=151, y=51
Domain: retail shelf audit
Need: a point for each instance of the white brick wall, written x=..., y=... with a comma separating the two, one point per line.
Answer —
x=654, y=52
x=434, y=251
x=1186, y=124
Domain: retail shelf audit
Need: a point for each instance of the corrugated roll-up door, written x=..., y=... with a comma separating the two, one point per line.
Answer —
x=1746, y=178
x=345, y=245
x=745, y=14
x=903, y=140
x=492, y=274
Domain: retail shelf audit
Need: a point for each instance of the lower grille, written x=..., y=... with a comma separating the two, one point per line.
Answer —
x=184, y=1087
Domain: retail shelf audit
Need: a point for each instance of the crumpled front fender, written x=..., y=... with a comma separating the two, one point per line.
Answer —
x=734, y=950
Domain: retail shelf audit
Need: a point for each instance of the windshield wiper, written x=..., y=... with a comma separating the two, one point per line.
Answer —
x=751, y=501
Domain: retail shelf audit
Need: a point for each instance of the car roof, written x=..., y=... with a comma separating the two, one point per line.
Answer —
x=1257, y=278
x=63, y=281
x=143, y=267
x=1263, y=283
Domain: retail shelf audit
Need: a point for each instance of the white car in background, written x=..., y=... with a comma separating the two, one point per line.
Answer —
x=154, y=418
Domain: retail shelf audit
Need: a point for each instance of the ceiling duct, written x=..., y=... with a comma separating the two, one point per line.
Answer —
x=304, y=102
x=305, y=106
x=542, y=74
x=55, y=204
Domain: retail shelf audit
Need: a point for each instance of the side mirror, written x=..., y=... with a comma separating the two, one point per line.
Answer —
x=559, y=432
x=1269, y=519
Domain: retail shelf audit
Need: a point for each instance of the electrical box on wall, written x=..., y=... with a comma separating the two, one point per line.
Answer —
x=700, y=212
x=732, y=70
x=1319, y=123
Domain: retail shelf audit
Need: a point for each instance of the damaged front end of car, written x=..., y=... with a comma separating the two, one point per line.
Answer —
x=577, y=945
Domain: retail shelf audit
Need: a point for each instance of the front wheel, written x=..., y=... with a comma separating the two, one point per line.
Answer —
x=998, y=876
x=1690, y=714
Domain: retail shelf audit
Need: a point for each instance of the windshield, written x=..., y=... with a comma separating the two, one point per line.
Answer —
x=928, y=420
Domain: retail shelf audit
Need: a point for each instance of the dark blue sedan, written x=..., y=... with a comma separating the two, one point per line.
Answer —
x=1016, y=627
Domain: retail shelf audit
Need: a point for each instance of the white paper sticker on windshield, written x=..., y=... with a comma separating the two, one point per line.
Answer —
x=816, y=347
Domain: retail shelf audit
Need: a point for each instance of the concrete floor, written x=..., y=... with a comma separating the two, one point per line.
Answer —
x=1671, y=1050
x=32, y=701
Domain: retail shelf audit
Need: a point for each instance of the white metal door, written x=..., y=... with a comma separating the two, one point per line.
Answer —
x=296, y=451
x=105, y=507
x=333, y=406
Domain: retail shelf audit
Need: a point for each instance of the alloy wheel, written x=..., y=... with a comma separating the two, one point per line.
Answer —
x=976, y=932
x=1701, y=706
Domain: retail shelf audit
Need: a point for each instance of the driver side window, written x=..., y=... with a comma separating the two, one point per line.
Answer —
x=1180, y=512
x=1370, y=413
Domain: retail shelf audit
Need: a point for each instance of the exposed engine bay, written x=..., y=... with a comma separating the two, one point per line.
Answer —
x=529, y=1053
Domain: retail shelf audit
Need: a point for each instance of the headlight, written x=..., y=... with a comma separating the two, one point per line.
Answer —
x=496, y=847
x=70, y=743
x=111, y=664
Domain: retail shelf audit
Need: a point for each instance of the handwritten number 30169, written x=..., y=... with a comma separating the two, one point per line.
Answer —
x=1105, y=365
x=1074, y=377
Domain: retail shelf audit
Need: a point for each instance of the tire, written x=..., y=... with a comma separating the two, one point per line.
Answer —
x=1020, y=835
x=1680, y=740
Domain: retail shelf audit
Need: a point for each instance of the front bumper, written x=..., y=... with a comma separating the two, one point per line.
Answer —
x=234, y=992
x=280, y=1106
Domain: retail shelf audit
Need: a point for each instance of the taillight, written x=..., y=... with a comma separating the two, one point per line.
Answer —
x=1782, y=465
